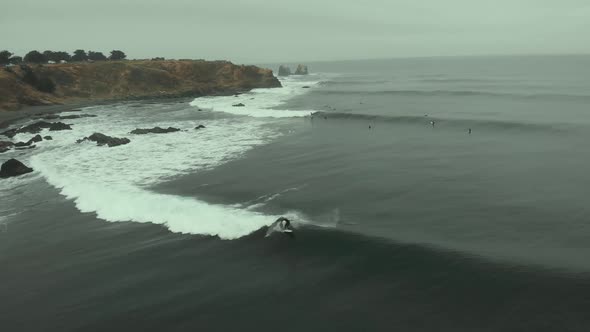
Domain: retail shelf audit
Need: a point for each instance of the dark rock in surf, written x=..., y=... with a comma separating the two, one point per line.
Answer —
x=200, y=127
x=48, y=138
x=284, y=70
x=238, y=105
x=34, y=128
x=9, y=133
x=5, y=146
x=301, y=70
x=155, y=130
x=12, y=168
x=24, y=147
x=21, y=144
x=305, y=87
x=35, y=139
x=77, y=116
x=102, y=139
x=57, y=126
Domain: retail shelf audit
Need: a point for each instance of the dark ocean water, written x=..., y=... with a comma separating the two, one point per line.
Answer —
x=402, y=225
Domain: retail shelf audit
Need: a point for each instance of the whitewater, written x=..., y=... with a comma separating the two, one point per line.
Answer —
x=115, y=182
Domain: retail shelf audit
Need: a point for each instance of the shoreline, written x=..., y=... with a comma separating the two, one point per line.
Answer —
x=8, y=118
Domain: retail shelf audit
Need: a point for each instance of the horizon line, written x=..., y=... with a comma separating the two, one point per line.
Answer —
x=424, y=57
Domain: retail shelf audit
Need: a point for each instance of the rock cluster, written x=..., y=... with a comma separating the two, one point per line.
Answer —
x=36, y=127
x=102, y=139
x=155, y=130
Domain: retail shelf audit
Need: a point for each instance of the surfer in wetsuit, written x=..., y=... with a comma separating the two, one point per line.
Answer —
x=285, y=226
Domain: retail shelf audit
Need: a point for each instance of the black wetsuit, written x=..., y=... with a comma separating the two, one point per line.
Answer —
x=286, y=225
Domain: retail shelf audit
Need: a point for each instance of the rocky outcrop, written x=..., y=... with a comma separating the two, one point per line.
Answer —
x=35, y=139
x=5, y=146
x=102, y=139
x=238, y=105
x=76, y=116
x=301, y=70
x=24, y=147
x=36, y=127
x=284, y=70
x=12, y=168
x=120, y=80
x=199, y=127
x=155, y=130
x=47, y=138
x=57, y=126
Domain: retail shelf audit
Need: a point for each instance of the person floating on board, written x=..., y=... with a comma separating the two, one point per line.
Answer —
x=432, y=123
x=470, y=130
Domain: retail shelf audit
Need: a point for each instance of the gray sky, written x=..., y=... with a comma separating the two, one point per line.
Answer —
x=297, y=30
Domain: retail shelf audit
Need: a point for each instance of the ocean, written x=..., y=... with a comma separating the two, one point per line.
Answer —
x=428, y=194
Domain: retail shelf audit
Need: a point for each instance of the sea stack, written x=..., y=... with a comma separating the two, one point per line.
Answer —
x=301, y=70
x=284, y=70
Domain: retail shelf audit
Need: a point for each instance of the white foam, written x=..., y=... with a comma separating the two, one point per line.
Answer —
x=114, y=182
x=261, y=103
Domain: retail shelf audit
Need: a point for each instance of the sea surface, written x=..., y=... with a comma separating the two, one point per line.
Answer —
x=429, y=194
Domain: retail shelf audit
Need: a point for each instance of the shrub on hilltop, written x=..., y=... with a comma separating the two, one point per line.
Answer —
x=35, y=57
x=117, y=55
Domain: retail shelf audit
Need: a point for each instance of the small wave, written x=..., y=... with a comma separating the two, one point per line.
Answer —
x=461, y=93
x=471, y=123
x=260, y=103
x=348, y=83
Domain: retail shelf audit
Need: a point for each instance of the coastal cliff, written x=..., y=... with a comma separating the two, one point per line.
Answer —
x=33, y=85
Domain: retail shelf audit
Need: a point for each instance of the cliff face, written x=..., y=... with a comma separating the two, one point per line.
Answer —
x=76, y=82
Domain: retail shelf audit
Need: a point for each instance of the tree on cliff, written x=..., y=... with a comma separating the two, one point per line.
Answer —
x=57, y=56
x=80, y=55
x=48, y=55
x=15, y=60
x=35, y=57
x=61, y=56
x=5, y=57
x=117, y=55
x=96, y=56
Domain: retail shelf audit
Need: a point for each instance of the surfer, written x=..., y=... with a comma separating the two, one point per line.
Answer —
x=284, y=225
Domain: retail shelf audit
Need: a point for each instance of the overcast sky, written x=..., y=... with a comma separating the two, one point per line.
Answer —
x=254, y=31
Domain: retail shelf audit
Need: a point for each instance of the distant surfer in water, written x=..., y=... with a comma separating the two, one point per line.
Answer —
x=432, y=123
x=470, y=130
